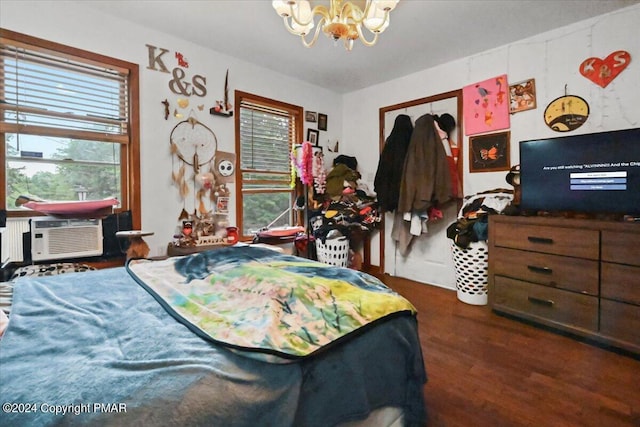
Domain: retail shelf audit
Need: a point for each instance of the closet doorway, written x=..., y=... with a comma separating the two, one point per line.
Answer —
x=429, y=259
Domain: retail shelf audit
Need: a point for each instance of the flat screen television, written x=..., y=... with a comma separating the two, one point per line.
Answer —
x=591, y=173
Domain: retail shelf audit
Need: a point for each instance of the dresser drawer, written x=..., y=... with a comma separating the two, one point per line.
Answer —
x=574, y=274
x=621, y=282
x=553, y=240
x=621, y=247
x=546, y=304
x=620, y=321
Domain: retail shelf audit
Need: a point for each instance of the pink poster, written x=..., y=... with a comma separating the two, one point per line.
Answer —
x=486, y=106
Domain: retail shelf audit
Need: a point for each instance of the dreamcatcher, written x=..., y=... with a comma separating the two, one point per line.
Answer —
x=195, y=145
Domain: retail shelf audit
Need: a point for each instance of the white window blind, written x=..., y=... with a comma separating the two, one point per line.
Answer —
x=266, y=138
x=53, y=94
x=267, y=129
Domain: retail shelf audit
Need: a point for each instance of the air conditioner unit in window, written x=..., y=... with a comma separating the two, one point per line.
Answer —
x=55, y=238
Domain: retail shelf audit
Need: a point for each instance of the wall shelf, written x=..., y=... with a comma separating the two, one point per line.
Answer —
x=222, y=113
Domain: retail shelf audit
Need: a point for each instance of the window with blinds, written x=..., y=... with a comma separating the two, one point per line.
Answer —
x=54, y=94
x=65, y=122
x=266, y=131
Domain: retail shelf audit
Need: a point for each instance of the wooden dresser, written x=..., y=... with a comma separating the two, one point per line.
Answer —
x=580, y=276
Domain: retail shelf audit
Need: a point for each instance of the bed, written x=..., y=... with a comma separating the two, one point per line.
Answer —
x=107, y=348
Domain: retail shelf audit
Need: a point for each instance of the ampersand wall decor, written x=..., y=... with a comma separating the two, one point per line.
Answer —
x=179, y=84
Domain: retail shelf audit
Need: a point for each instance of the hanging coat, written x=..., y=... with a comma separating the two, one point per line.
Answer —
x=391, y=163
x=425, y=180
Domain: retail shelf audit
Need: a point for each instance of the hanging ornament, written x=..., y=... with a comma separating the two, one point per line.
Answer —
x=184, y=189
x=319, y=173
x=306, y=175
x=292, y=157
x=302, y=162
x=178, y=177
x=205, y=180
x=201, y=208
x=183, y=215
x=192, y=138
x=195, y=145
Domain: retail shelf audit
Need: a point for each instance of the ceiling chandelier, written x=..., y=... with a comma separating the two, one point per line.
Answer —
x=342, y=20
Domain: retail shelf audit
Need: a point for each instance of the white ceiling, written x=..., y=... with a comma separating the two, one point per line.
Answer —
x=422, y=34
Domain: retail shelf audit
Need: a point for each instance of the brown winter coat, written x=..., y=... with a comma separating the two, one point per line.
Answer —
x=426, y=181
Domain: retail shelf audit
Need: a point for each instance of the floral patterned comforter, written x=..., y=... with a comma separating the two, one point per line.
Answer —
x=265, y=303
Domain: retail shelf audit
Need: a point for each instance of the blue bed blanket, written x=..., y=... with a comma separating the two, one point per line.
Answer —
x=97, y=349
x=266, y=303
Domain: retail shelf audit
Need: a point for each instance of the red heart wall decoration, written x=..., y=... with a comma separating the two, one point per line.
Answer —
x=603, y=71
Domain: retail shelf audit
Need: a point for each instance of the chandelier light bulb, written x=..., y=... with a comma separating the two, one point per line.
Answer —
x=377, y=20
x=303, y=19
x=283, y=7
x=386, y=5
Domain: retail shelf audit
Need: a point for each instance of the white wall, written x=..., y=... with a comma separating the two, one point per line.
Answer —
x=551, y=58
x=85, y=28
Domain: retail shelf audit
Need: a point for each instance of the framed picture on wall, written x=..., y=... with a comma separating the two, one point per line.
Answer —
x=489, y=152
x=322, y=121
x=311, y=116
x=522, y=96
x=312, y=136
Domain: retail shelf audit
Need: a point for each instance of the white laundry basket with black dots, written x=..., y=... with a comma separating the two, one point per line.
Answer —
x=471, y=266
x=333, y=251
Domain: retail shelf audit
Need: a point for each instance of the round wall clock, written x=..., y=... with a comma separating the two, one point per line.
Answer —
x=566, y=113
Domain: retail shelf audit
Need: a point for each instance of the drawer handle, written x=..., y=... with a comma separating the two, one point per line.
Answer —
x=543, y=270
x=541, y=301
x=545, y=240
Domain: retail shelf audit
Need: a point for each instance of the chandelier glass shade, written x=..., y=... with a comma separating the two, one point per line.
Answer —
x=341, y=20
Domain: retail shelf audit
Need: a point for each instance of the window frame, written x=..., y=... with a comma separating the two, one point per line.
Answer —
x=294, y=111
x=129, y=148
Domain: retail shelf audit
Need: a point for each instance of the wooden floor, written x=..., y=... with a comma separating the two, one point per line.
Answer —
x=489, y=370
